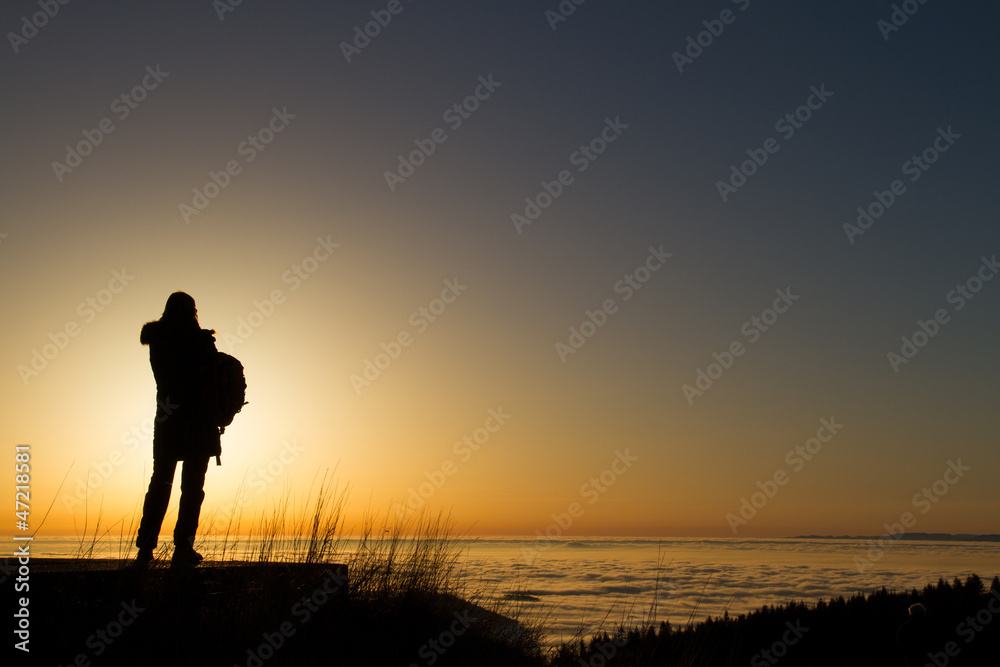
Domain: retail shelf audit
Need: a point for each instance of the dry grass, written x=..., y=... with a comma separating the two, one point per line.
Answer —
x=396, y=561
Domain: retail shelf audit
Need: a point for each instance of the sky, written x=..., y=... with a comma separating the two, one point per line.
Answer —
x=655, y=269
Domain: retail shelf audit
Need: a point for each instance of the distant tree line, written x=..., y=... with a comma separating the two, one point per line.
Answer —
x=961, y=627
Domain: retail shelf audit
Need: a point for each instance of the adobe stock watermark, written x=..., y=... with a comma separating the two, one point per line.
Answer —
x=714, y=28
x=915, y=167
x=364, y=34
x=627, y=286
x=223, y=7
x=87, y=310
x=295, y=276
x=924, y=500
x=796, y=458
x=260, y=479
x=562, y=12
x=927, y=329
x=464, y=449
x=248, y=149
x=431, y=651
x=779, y=649
x=968, y=629
x=303, y=611
x=122, y=107
x=581, y=158
x=420, y=320
x=455, y=116
x=103, y=638
x=101, y=471
x=900, y=14
x=752, y=329
x=592, y=490
x=20, y=562
x=31, y=25
x=786, y=126
x=603, y=652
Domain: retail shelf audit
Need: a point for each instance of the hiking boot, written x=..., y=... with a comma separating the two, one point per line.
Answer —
x=143, y=558
x=186, y=557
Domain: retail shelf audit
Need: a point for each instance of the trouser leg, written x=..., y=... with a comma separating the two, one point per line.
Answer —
x=154, y=507
x=192, y=495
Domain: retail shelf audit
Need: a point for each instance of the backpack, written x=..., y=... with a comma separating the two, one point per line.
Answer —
x=223, y=391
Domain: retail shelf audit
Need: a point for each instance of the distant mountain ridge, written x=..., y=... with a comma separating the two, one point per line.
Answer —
x=929, y=537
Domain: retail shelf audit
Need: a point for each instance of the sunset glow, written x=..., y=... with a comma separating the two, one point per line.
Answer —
x=540, y=274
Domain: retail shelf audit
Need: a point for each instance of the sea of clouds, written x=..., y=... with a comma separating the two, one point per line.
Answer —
x=575, y=587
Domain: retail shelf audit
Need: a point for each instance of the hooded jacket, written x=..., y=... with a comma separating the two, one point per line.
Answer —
x=178, y=351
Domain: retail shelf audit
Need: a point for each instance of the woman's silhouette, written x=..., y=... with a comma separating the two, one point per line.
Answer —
x=178, y=347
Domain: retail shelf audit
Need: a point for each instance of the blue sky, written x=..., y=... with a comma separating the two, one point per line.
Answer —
x=867, y=100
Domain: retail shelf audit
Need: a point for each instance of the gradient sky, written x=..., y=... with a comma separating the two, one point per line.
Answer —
x=515, y=289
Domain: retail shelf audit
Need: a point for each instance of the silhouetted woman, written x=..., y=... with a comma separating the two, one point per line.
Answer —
x=178, y=346
x=915, y=637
